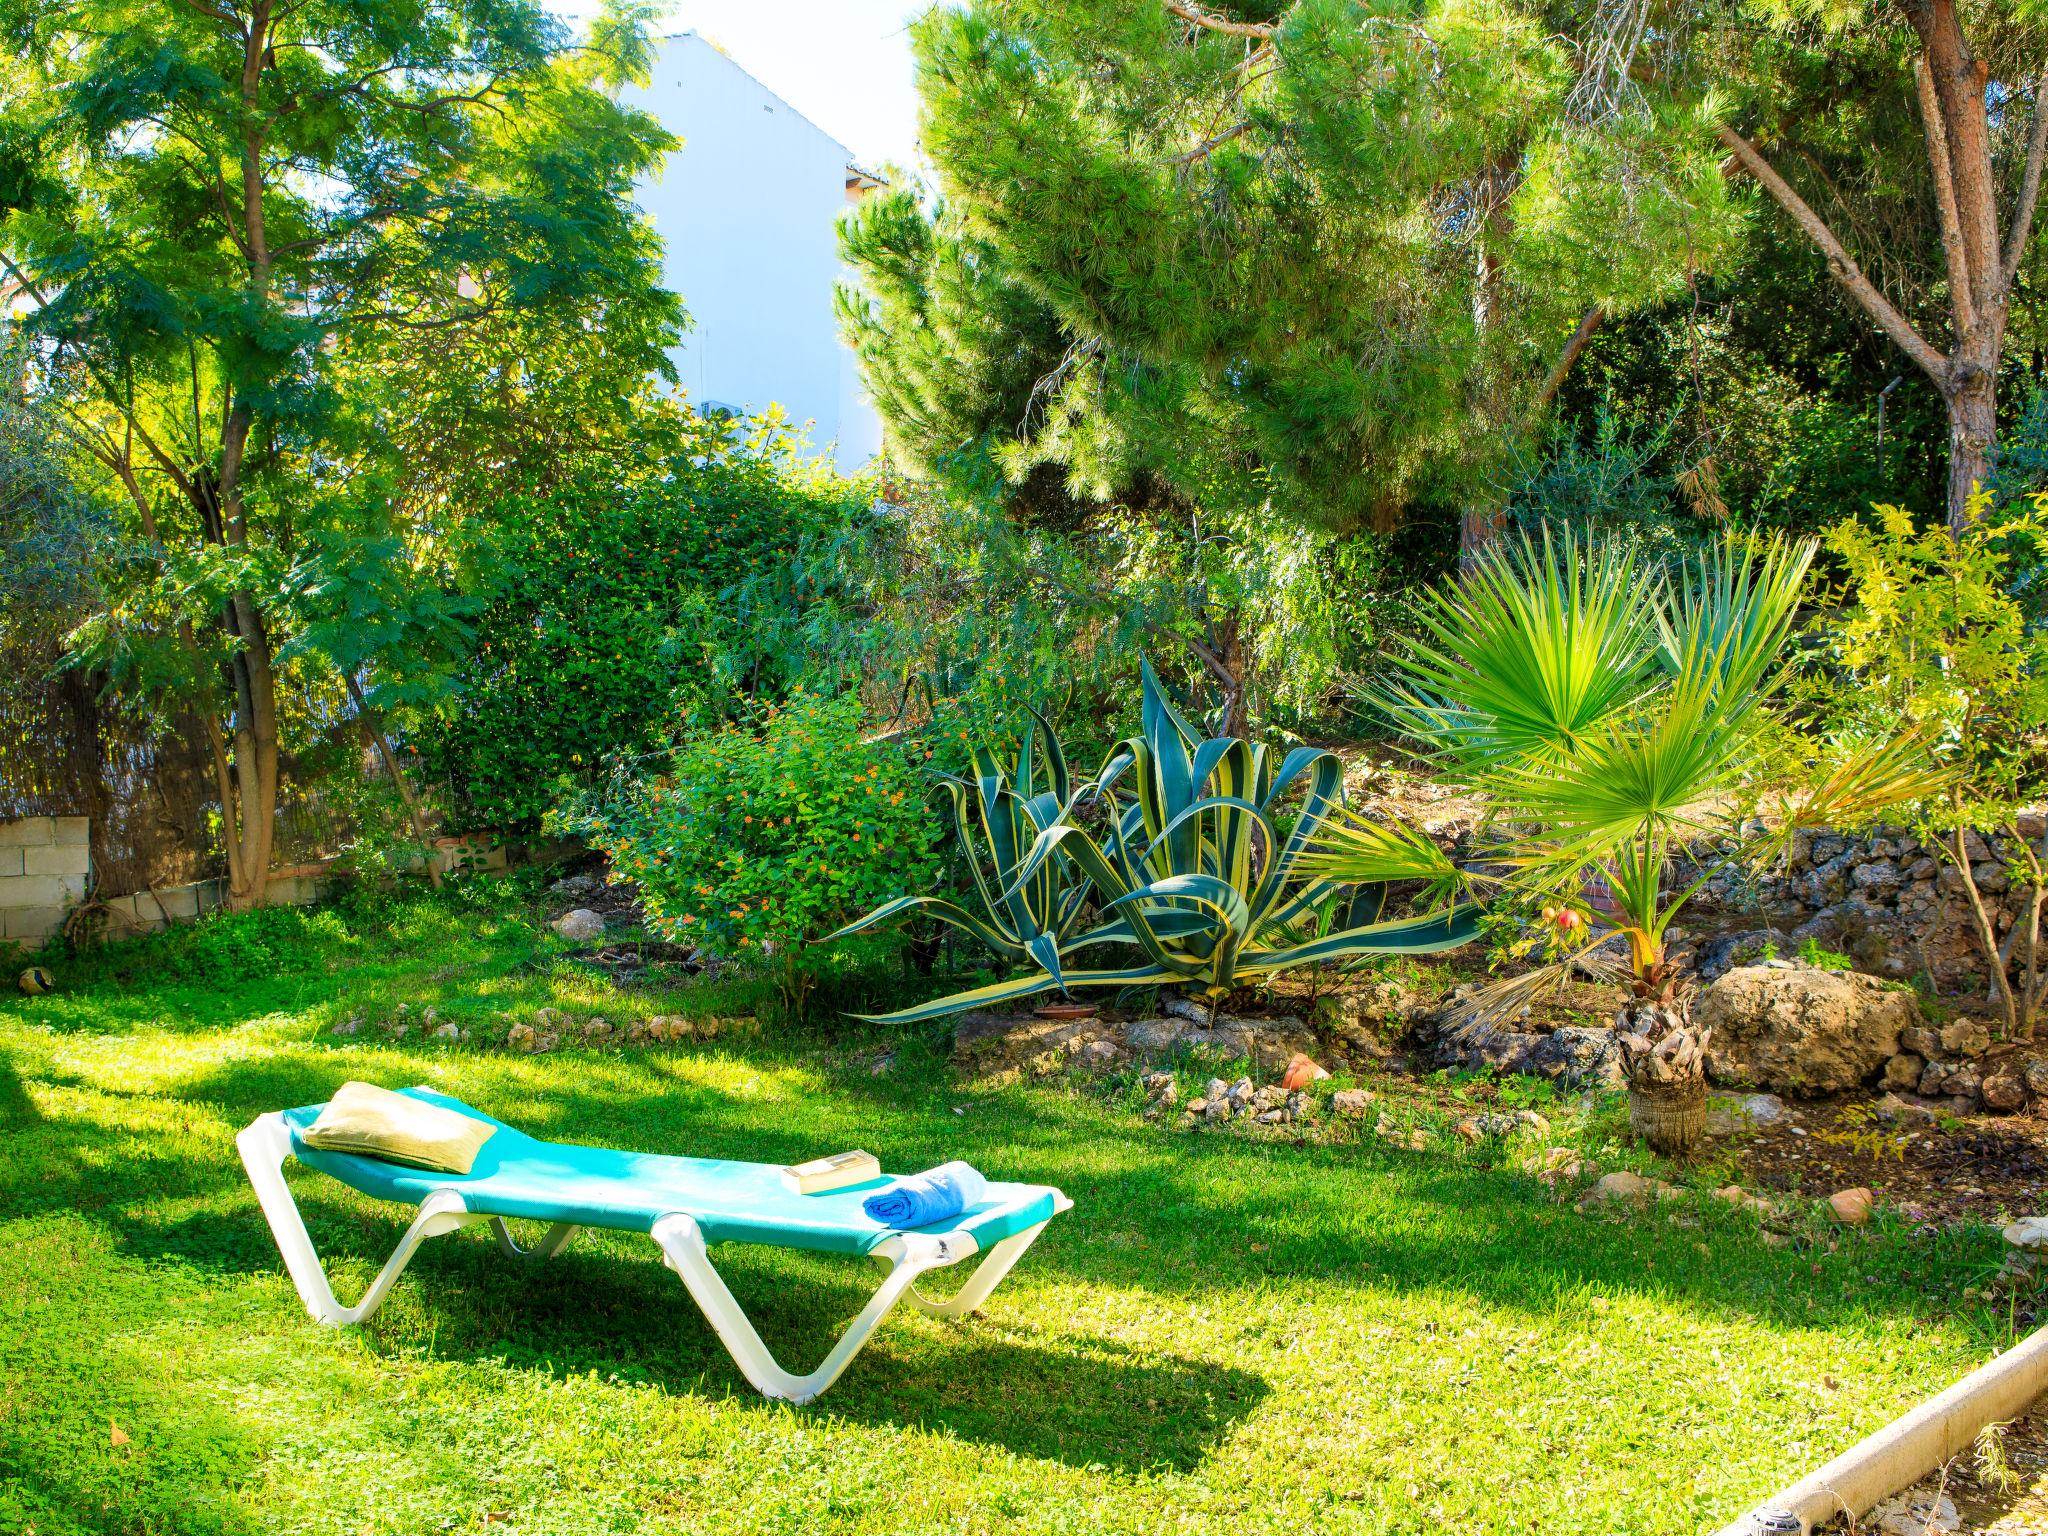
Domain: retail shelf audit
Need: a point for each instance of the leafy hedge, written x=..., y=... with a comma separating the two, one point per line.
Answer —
x=613, y=613
x=759, y=837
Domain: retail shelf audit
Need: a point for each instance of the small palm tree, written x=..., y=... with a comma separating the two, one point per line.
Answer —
x=1608, y=713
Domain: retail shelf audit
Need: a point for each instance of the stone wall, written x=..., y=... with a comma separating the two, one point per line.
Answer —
x=1884, y=899
x=44, y=862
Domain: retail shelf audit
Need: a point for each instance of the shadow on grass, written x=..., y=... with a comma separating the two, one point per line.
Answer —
x=609, y=1306
x=1172, y=1216
x=1079, y=1400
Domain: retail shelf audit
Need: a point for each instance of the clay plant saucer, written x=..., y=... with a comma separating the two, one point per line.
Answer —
x=1067, y=1011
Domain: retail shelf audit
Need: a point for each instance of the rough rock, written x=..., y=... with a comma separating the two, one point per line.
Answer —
x=347, y=1027
x=1571, y=1053
x=1350, y=1102
x=1098, y=1054
x=1851, y=1207
x=1715, y=956
x=986, y=1043
x=2036, y=1075
x=448, y=1031
x=1743, y=1200
x=1153, y=1037
x=1612, y=1187
x=1903, y=1070
x=521, y=1037
x=2026, y=1247
x=1920, y=1040
x=1965, y=1037
x=1807, y=1030
x=1269, y=1043
x=2004, y=1091
x=579, y=925
x=1893, y=1110
x=1965, y=1083
x=1728, y=1113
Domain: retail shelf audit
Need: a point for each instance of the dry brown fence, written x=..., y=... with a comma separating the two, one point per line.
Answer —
x=68, y=748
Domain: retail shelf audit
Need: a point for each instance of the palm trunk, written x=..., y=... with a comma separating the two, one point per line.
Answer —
x=1665, y=1058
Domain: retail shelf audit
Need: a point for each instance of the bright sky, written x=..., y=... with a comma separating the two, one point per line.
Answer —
x=844, y=64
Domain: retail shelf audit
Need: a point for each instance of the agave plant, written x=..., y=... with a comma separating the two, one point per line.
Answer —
x=998, y=817
x=1607, y=711
x=1197, y=866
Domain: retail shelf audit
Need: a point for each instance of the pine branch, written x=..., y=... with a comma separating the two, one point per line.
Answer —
x=1201, y=150
x=1840, y=263
x=1945, y=201
x=2030, y=185
x=1589, y=322
x=1211, y=21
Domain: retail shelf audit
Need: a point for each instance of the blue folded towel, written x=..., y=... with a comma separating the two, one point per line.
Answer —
x=923, y=1198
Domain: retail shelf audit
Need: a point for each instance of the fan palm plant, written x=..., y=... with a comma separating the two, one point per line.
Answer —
x=1607, y=712
x=1197, y=865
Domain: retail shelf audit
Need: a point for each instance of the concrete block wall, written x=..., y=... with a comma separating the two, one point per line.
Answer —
x=44, y=861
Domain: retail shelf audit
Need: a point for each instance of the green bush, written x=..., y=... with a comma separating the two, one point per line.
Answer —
x=222, y=949
x=760, y=837
x=616, y=606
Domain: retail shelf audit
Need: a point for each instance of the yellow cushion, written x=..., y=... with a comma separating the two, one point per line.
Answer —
x=376, y=1121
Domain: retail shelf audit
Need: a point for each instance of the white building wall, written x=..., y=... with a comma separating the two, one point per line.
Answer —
x=746, y=209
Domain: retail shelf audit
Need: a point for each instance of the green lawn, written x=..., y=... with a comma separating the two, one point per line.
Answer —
x=1225, y=1334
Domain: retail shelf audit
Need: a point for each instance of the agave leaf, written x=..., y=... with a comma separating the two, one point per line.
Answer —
x=1429, y=934
x=1020, y=987
x=945, y=911
x=1325, y=793
x=1045, y=949
x=1209, y=893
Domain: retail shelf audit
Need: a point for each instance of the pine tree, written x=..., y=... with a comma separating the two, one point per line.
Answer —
x=1362, y=243
x=1906, y=144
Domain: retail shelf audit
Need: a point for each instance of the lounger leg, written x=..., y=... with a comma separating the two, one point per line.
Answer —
x=264, y=1145
x=988, y=1274
x=552, y=1241
x=682, y=1247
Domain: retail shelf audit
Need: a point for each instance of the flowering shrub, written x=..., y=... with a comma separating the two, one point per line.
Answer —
x=762, y=836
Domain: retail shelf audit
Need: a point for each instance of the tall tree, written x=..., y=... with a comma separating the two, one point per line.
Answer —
x=211, y=205
x=1828, y=128
x=1368, y=239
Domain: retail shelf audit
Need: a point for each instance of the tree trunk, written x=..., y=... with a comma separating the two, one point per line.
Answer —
x=1478, y=526
x=1665, y=1058
x=416, y=813
x=252, y=820
x=1972, y=432
x=1223, y=656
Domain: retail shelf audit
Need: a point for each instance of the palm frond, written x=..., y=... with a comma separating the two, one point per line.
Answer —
x=1353, y=849
x=1532, y=653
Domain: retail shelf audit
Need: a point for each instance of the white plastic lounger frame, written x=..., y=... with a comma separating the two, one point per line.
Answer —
x=266, y=1142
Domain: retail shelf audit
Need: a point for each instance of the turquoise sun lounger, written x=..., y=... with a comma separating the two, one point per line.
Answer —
x=684, y=1203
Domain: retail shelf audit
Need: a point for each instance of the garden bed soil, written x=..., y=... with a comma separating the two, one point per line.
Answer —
x=1988, y=1168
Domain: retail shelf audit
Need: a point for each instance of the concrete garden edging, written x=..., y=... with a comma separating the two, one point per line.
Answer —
x=1911, y=1446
